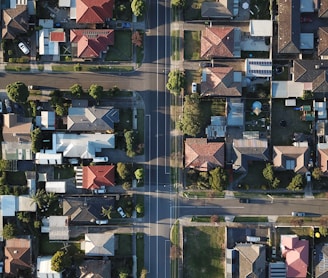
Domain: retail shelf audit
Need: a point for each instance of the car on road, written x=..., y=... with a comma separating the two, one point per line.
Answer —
x=297, y=213
x=194, y=87
x=23, y=48
x=102, y=222
x=308, y=176
x=121, y=212
x=244, y=200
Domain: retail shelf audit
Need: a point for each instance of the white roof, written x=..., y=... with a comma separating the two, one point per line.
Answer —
x=46, y=46
x=48, y=158
x=260, y=28
x=306, y=6
x=56, y=186
x=58, y=228
x=25, y=203
x=8, y=205
x=44, y=268
x=82, y=145
x=286, y=89
x=64, y=3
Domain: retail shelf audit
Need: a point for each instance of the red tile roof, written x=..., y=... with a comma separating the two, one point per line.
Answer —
x=17, y=255
x=91, y=42
x=323, y=160
x=96, y=176
x=217, y=42
x=296, y=252
x=57, y=36
x=94, y=11
x=203, y=155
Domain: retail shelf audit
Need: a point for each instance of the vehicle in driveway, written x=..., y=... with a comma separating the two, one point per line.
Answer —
x=308, y=176
x=194, y=87
x=297, y=213
x=101, y=190
x=244, y=200
x=23, y=48
x=102, y=222
x=121, y=212
x=8, y=106
x=100, y=159
x=0, y=106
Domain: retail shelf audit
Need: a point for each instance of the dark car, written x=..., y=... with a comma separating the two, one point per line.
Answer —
x=244, y=200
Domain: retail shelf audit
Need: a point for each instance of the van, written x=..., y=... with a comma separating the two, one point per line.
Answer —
x=100, y=159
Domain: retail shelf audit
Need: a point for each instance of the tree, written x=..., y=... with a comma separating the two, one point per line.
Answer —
x=218, y=179
x=175, y=81
x=124, y=273
x=143, y=273
x=18, y=92
x=127, y=185
x=275, y=183
x=317, y=173
x=8, y=231
x=137, y=7
x=130, y=143
x=203, y=181
x=323, y=231
x=60, y=260
x=96, y=91
x=3, y=165
x=76, y=90
x=136, y=39
x=139, y=208
x=268, y=173
x=24, y=216
x=178, y=3
x=215, y=218
x=123, y=170
x=60, y=109
x=36, y=138
x=38, y=198
x=191, y=121
x=56, y=97
x=296, y=183
x=107, y=212
x=139, y=174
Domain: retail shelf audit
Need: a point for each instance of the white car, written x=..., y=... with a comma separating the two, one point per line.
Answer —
x=23, y=48
x=0, y=106
x=121, y=212
x=194, y=87
x=295, y=213
x=100, y=159
x=308, y=176
x=101, y=190
x=102, y=222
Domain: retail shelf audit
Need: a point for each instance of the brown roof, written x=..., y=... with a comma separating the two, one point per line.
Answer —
x=291, y=158
x=217, y=42
x=289, y=26
x=57, y=36
x=17, y=255
x=202, y=155
x=323, y=9
x=323, y=159
x=16, y=129
x=323, y=40
x=219, y=81
x=14, y=22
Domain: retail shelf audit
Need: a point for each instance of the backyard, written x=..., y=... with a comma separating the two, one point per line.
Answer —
x=192, y=9
x=203, y=252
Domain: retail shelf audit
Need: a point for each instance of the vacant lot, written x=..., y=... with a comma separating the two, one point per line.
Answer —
x=203, y=252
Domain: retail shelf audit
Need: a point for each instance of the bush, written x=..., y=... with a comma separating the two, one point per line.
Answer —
x=77, y=67
x=127, y=185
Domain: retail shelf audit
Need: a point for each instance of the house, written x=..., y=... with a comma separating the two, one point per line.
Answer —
x=47, y=120
x=220, y=42
x=258, y=68
x=221, y=82
x=11, y=204
x=217, y=128
x=323, y=43
x=260, y=28
x=92, y=119
x=95, y=268
x=296, y=253
x=293, y=158
x=85, y=210
x=59, y=227
x=14, y=22
x=98, y=175
x=18, y=255
x=235, y=112
x=248, y=149
x=202, y=155
x=323, y=9
x=289, y=27
x=99, y=245
x=246, y=260
x=44, y=270
x=218, y=10
x=17, y=140
x=90, y=43
x=323, y=157
x=56, y=186
x=94, y=11
x=321, y=266
x=287, y=89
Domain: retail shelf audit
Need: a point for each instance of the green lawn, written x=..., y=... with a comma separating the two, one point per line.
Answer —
x=141, y=126
x=122, y=48
x=63, y=172
x=124, y=245
x=283, y=136
x=175, y=44
x=192, y=9
x=17, y=67
x=91, y=68
x=140, y=252
x=47, y=247
x=192, y=45
x=254, y=178
x=251, y=219
x=203, y=252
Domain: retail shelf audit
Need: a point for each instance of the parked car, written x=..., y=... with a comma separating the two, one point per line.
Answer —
x=73, y=161
x=0, y=106
x=194, y=87
x=295, y=213
x=101, y=190
x=244, y=200
x=102, y=222
x=23, y=48
x=121, y=212
x=308, y=176
x=205, y=64
x=100, y=159
x=8, y=106
x=33, y=87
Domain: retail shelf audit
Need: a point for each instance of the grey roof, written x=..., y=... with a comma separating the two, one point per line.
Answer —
x=323, y=9
x=92, y=118
x=215, y=10
x=289, y=27
x=100, y=244
x=323, y=41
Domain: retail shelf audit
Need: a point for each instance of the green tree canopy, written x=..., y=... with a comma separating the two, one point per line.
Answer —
x=137, y=7
x=130, y=143
x=36, y=137
x=178, y=3
x=60, y=260
x=218, y=179
x=175, y=81
x=323, y=231
x=60, y=109
x=296, y=183
x=139, y=208
x=18, y=92
x=317, y=173
x=123, y=170
x=96, y=91
x=76, y=90
x=191, y=121
x=8, y=231
x=139, y=174
x=268, y=172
